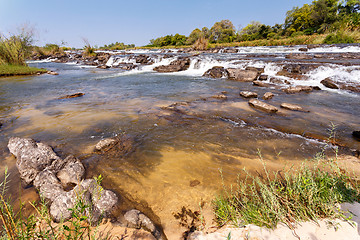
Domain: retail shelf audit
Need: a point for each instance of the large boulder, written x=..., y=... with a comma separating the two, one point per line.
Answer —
x=72, y=172
x=262, y=106
x=32, y=157
x=242, y=75
x=178, y=65
x=216, y=72
x=297, y=89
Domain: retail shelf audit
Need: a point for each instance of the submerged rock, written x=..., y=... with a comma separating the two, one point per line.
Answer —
x=292, y=107
x=268, y=96
x=327, y=82
x=299, y=56
x=262, y=106
x=178, y=65
x=122, y=144
x=247, y=94
x=75, y=95
x=220, y=96
x=32, y=157
x=298, y=89
x=216, y=72
x=137, y=219
x=52, y=73
x=242, y=75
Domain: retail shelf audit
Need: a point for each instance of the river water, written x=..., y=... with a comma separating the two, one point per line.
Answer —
x=179, y=153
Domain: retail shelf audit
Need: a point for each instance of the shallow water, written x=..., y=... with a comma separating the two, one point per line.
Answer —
x=174, y=149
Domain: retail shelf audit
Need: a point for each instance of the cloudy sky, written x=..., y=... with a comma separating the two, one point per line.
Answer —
x=136, y=21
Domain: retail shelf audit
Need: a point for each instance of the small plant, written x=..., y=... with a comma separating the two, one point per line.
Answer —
x=89, y=51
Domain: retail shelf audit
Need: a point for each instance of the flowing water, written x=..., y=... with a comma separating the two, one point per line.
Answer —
x=178, y=153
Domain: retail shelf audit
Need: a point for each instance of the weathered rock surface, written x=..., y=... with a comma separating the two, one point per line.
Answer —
x=137, y=219
x=297, y=89
x=48, y=185
x=268, y=96
x=122, y=144
x=299, y=56
x=262, y=106
x=242, y=75
x=216, y=72
x=73, y=171
x=220, y=96
x=143, y=59
x=75, y=95
x=178, y=65
x=292, y=107
x=32, y=157
x=327, y=82
x=247, y=94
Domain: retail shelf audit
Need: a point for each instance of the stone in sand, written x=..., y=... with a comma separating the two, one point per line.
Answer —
x=262, y=106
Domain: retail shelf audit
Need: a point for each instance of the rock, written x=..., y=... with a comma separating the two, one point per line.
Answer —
x=298, y=89
x=216, y=72
x=316, y=88
x=263, y=77
x=52, y=73
x=327, y=82
x=48, y=185
x=262, y=106
x=303, y=49
x=259, y=70
x=194, y=183
x=60, y=207
x=178, y=65
x=276, y=81
x=268, y=95
x=32, y=157
x=73, y=171
x=104, y=200
x=103, y=66
x=220, y=96
x=242, y=75
x=299, y=56
x=356, y=134
x=262, y=84
x=143, y=59
x=103, y=58
x=247, y=94
x=75, y=95
x=120, y=145
x=230, y=50
x=137, y=219
x=292, y=107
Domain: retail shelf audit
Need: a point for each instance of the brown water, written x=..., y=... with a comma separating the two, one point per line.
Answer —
x=178, y=153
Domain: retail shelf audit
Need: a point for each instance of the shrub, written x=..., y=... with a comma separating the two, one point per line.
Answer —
x=338, y=37
x=201, y=44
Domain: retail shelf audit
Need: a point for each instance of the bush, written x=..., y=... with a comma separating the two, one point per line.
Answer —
x=309, y=193
x=339, y=37
x=201, y=44
x=14, y=49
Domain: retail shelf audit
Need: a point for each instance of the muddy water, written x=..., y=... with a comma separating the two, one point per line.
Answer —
x=180, y=151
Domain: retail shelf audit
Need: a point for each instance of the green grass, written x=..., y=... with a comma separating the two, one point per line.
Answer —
x=310, y=192
x=13, y=70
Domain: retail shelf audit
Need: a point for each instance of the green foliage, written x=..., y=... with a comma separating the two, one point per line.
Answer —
x=338, y=37
x=222, y=32
x=169, y=40
x=14, y=49
x=308, y=193
x=117, y=46
x=201, y=44
x=12, y=70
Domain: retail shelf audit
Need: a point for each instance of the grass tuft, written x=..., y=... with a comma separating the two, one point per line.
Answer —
x=307, y=193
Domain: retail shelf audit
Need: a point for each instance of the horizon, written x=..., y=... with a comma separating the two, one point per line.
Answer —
x=103, y=23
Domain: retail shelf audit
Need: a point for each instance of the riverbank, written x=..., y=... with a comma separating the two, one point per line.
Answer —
x=16, y=70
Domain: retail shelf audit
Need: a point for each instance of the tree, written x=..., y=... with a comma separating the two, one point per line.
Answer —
x=223, y=31
x=194, y=35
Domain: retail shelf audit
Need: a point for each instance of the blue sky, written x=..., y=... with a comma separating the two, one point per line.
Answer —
x=136, y=21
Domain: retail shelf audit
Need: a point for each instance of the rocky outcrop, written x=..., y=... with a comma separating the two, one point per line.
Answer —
x=32, y=157
x=178, y=65
x=38, y=164
x=296, y=71
x=297, y=89
x=299, y=56
x=292, y=107
x=247, y=94
x=268, y=96
x=242, y=75
x=327, y=82
x=75, y=95
x=216, y=72
x=262, y=106
x=143, y=59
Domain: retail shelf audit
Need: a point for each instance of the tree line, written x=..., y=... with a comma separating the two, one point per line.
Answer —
x=321, y=16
